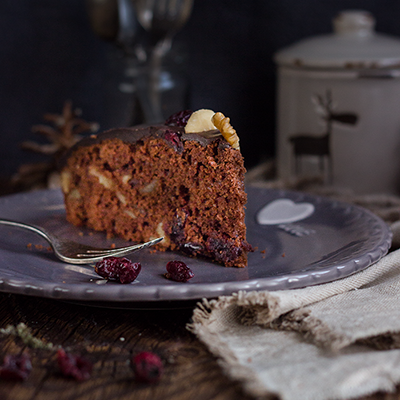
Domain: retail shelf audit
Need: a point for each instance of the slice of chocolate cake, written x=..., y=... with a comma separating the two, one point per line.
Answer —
x=150, y=181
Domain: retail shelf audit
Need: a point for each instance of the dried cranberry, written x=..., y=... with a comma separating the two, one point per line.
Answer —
x=16, y=367
x=74, y=366
x=179, y=119
x=223, y=250
x=177, y=234
x=147, y=367
x=178, y=271
x=174, y=140
x=118, y=268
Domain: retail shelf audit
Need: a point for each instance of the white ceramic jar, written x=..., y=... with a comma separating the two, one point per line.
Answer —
x=339, y=107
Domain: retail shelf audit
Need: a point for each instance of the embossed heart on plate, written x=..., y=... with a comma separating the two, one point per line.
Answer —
x=283, y=211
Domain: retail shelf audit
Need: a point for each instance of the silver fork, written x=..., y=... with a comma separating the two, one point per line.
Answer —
x=76, y=253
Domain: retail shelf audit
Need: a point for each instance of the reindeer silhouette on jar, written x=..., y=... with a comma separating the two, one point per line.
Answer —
x=308, y=144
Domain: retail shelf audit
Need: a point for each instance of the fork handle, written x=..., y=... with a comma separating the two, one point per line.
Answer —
x=23, y=225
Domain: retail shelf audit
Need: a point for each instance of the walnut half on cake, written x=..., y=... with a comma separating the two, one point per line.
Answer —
x=149, y=181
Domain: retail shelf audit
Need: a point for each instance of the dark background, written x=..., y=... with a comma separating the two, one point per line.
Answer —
x=49, y=53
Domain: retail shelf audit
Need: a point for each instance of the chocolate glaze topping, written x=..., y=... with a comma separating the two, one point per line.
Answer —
x=134, y=134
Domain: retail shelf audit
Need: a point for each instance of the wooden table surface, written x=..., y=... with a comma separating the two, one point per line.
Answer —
x=108, y=337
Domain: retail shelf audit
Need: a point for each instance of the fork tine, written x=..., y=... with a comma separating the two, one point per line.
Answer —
x=119, y=251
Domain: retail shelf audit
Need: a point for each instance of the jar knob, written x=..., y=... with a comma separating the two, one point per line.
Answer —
x=354, y=23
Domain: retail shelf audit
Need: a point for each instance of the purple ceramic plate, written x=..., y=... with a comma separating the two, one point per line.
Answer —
x=301, y=240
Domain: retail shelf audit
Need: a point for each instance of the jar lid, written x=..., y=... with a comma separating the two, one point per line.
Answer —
x=354, y=44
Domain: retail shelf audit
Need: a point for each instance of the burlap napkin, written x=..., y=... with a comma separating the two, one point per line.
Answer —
x=338, y=340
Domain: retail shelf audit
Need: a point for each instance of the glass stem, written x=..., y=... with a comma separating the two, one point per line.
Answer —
x=155, y=66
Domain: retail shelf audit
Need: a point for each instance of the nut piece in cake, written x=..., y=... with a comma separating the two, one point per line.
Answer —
x=207, y=120
x=222, y=123
x=200, y=121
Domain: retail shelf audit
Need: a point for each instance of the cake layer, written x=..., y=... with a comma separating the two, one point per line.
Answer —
x=146, y=182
